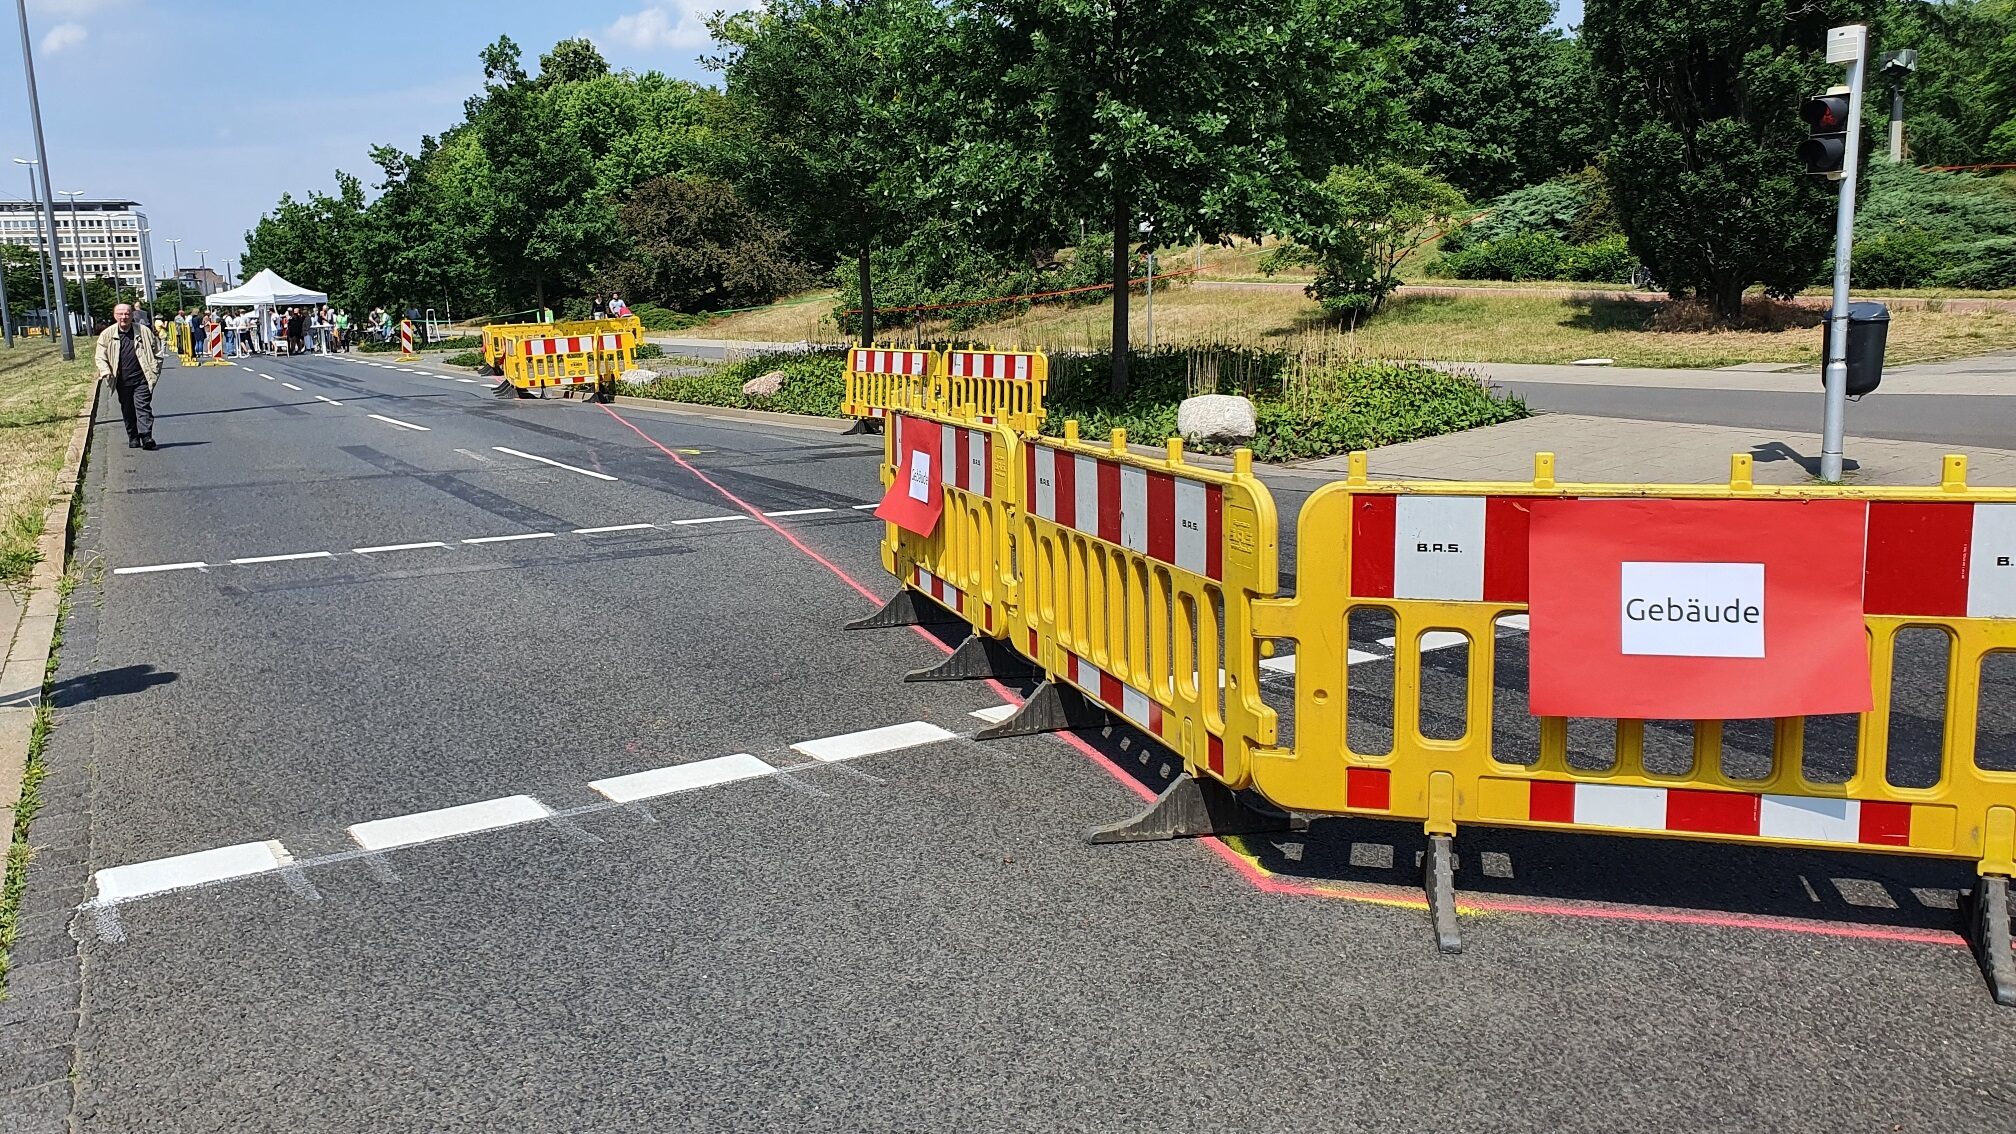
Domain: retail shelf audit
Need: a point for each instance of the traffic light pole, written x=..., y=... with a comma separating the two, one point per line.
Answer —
x=1834, y=425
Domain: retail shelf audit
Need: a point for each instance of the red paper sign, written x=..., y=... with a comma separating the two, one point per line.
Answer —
x=1697, y=609
x=914, y=500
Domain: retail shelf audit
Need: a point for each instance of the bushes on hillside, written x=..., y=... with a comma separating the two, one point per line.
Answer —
x=1564, y=229
x=939, y=266
x=1540, y=256
x=1919, y=228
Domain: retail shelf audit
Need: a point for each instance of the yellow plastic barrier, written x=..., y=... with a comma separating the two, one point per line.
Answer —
x=994, y=385
x=498, y=338
x=1138, y=580
x=882, y=380
x=1347, y=555
x=594, y=361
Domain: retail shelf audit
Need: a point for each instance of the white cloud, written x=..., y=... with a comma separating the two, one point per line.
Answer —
x=679, y=25
x=64, y=36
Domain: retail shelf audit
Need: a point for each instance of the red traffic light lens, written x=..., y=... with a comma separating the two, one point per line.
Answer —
x=1826, y=114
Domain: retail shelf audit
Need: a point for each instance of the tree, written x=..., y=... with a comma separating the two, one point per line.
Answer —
x=837, y=98
x=1201, y=120
x=696, y=245
x=1960, y=105
x=312, y=241
x=1500, y=98
x=1373, y=217
x=1701, y=167
x=572, y=61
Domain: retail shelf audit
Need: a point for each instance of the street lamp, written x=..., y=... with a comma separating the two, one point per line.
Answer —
x=41, y=265
x=42, y=157
x=147, y=266
x=77, y=254
x=175, y=246
x=227, y=273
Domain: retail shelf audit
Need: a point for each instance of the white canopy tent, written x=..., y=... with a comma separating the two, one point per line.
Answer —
x=266, y=289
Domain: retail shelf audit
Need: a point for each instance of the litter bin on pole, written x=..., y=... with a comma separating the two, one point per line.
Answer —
x=1868, y=333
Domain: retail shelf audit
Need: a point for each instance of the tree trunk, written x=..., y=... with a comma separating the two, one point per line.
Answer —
x=1729, y=299
x=867, y=282
x=1121, y=346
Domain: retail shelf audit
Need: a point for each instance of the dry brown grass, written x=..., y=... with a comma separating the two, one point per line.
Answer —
x=40, y=395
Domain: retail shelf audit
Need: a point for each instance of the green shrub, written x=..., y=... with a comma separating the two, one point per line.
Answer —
x=937, y=265
x=1608, y=260
x=1899, y=258
x=813, y=384
x=457, y=342
x=1918, y=228
x=466, y=358
x=1540, y=256
x=656, y=318
x=1986, y=264
x=647, y=350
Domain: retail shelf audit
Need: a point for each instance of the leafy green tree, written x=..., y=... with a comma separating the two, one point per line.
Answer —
x=1200, y=120
x=1372, y=217
x=1701, y=167
x=1500, y=98
x=1964, y=90
x=312, y=241
x=696, y=245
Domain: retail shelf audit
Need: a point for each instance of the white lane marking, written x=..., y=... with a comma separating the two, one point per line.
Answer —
x=613, y=528
x=1279, y=665
x=269, y=377
x=281, y=558
x=118, y=883
x=397, y=422
x=156, y=567
x=1516, y=622
x=551, y=461
x=859, y=507
x=471, y=381
x=290, y=385
x=682, y=777
x=331, y=401
x=1433, y=640
x=798, y=512
x=427, y=826
x=396, y=547
x=709, y=520
x=994, y=714
x=1355, y=657
x=473, y=453
x=509, y=538
x=888, y=738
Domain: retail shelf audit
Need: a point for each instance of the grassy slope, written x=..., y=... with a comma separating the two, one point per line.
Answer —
x=40, y=395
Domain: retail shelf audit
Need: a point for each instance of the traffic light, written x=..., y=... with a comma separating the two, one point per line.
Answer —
x=1827, y=117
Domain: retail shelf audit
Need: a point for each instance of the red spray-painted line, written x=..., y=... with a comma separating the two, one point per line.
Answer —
x=1269, y=882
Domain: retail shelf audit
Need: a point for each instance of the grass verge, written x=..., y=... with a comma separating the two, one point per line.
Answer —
x=40, y=395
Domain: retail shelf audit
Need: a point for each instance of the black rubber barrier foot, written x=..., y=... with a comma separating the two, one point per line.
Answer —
x=862, y=426
x=907, y=609
x=504, y=390
x=1987, y=909
x=977, y=657
x=1438, y=869
x=1052, y=708
x=1193, y=808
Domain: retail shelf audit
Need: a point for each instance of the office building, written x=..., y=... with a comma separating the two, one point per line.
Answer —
x=108, y=238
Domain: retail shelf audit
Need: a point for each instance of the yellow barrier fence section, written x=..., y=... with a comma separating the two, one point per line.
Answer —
x=882, y=380
x=564, y=361
x=1138, y=580
x=993, y=385
x=1359, y=544
x=500, y=339
x=965, y=564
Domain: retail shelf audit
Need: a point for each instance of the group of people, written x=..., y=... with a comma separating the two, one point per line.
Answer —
x=272, y=330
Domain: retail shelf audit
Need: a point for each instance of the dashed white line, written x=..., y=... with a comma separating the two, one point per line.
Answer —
x=859, y=507
x=682, y=777
x=551, y=461
x=1434, y=640
x=397, y=422
x=509, y=538
x=471, y=381
x=1516, y=621
x=708, y=520
x=396, y=547
x=467, y=819
x=118, y=883
x=798, y=512
x=269, y=377
x=290, y=385
x=994, y=714
x=281, y=558
x=613, y=528
x=157, y=567
x=331, y=401
x=889, y=738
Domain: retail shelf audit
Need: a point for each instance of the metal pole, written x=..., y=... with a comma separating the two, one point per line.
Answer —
x=1834, y=424
x=147, y=266
x=1151, y=300
x=6, y=315
x=1897, y=122
x=42, y=156
x=41, y=265
x=77, y=254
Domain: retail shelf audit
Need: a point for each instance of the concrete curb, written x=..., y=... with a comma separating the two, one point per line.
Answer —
x=27, y=660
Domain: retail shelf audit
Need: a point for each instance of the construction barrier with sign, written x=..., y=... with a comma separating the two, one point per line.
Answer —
x=1145, y=588
x=588, y=364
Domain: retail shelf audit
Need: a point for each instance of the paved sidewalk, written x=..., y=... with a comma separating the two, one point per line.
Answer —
x=1983, y=374
x=1616, y=450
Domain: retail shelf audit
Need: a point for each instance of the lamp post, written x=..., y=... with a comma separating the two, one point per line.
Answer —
x=227, y=275
x=175, y=246
x=41, y=264
x=42, y=171
x=77, y=254
x=147, y=267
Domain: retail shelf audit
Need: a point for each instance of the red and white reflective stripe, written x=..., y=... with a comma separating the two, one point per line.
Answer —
x=877, y=411
x=1163, y=516
x=1806, y=818
x=1455, y=548
x=1943, y=560
x=572, y=344
x=1114, y=693
x=987, y=364
x=965, y=456
x=914, y=363
x=950, y=596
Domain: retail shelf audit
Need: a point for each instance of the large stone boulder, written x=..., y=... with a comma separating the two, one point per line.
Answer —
x=764, y=385
x=1223, y=419
x=637, y=376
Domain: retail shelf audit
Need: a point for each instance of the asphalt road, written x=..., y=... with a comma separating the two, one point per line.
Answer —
x=915, y=939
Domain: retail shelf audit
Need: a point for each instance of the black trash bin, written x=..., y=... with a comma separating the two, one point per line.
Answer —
x=1868, y=333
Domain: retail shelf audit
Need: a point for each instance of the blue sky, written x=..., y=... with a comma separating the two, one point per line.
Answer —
x=282, y=95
